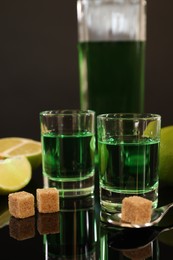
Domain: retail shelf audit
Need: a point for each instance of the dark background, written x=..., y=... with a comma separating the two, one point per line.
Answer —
x=39, y=62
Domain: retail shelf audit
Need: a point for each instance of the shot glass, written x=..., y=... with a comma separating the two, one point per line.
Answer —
x=128, y=152
x=68, y=151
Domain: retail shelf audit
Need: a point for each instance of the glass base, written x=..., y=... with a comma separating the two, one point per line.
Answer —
x=112, y=201
x=72, y=188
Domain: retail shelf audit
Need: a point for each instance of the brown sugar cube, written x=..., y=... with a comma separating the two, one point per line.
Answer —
x=47, y=200
x=136, y=210
x=22, y=229
x=21, y=204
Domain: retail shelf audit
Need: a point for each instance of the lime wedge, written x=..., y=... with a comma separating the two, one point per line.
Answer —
x=15, y=173
x=17, y=146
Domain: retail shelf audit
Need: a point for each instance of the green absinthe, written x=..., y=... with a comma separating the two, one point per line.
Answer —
x=68, y=157
x=112, y=76
x=129, y=168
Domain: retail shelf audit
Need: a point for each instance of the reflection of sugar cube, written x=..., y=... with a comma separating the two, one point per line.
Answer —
x=22, y=229
x=48, y=223
x=136, y=210
x=47, y=200
x=21, y=204
x=139, y=253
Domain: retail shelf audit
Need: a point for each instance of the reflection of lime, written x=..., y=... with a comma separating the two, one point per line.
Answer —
x=103, y=154
x=166, y=237
x=4, y=218
x=166, y=155
x=92, y=147
x=152, y=130
x=4, y=212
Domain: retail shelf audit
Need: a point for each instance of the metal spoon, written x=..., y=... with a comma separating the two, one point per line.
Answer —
x=115, y=218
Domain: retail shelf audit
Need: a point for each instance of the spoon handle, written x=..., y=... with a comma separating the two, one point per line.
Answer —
x=163, y=210
x=167, y=207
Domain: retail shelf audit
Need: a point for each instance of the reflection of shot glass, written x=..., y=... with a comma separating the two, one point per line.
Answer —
x=68, y=148
x=128, y=147
x=78, y=231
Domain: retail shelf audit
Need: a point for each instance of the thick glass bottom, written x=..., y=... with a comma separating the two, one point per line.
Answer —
x=71, y=188
x=111, y=201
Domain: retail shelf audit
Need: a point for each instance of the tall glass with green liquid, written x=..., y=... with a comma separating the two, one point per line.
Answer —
x=111, y=48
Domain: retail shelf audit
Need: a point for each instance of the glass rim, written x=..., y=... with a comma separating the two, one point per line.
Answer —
x=129, y=116
x=66, y=112
x=109, y=1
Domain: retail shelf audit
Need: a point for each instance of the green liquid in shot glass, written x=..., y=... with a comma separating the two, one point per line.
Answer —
x=69, y=160
x=128, y=168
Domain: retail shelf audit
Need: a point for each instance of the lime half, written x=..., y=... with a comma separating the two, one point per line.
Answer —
x=15, y=173
x=166, y=156
x=17, y=146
